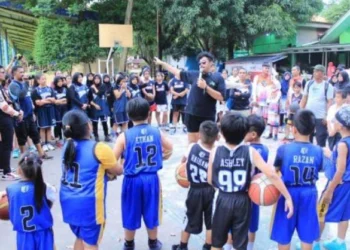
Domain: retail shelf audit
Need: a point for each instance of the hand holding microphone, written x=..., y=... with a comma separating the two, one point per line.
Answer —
x=201, y=83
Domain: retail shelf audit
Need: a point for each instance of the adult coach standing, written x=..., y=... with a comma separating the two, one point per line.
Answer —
x=207, y=88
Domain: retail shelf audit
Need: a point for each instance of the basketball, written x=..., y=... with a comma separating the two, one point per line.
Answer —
x=181, y=176
x=262, y=192
x=4, y=208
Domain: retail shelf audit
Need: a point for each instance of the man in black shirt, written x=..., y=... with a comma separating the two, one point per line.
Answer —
x=207, y=88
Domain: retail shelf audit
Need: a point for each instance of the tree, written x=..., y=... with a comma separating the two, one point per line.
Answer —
x=336, y=10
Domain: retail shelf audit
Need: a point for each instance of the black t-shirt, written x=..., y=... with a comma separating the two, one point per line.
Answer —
x=148, y=86
x=161, y=92
x=199, y=102
x=179, y=86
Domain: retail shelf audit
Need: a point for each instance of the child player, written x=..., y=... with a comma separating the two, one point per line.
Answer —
x=230, y=170
x=200, y=197
x=142, y=147
x=299, y=163
x=256, y=126
x=337, y=193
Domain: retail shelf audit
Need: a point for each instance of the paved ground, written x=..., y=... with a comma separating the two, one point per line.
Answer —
x=173, y=203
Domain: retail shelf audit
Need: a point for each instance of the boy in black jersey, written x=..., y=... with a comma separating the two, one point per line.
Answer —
x=200, y=197
x=230, y=169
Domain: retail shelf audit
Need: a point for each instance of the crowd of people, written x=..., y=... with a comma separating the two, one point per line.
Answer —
x=298, y=107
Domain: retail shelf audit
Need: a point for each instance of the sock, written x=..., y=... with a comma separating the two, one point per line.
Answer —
x=152, y=242
x=250, y=246
x=183, y=245
x=207, y=246
x=227, y=247
x=340, y=241
x=129, y=243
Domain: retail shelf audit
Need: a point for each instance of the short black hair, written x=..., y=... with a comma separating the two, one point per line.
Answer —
x=341, y=92
x=256, y=124
x=304, y=121
x=234, y=127
x=297, y=84
x=208, y=131
x=15, y=68
x=137, y=109
x=205, y=54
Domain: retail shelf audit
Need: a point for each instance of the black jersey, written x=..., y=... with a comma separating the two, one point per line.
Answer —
x=232, y=169
x=197, y=164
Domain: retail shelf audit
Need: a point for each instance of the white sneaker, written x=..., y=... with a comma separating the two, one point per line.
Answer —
x=45, y=148
x=50, y=146
x=10, y=177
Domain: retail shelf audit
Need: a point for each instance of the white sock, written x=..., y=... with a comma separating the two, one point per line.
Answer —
x=227, y=247
x=340, y=241
x=250, y=246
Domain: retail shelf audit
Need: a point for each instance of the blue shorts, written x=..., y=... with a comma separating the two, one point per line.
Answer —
x=38, y=240
x=46, y=117
x=339, y=209
x=304, y=219
x=141, y=197
x=121, y=118
x=90, y=234
x=254, y=218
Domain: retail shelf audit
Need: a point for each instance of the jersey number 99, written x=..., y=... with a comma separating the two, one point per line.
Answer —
x=232, y=181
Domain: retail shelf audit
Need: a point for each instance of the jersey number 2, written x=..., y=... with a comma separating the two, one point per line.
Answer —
x=151, y=152
x=28, y=213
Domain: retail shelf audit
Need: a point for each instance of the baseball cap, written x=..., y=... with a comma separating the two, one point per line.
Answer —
x=320, y=67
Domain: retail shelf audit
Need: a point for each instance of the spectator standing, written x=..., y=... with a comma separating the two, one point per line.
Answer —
x=343, y=81
x=241, y=94
x=77, y=93
x=318, y=97
x=162, y=90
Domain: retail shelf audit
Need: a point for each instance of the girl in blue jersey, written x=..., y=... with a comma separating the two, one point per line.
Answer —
x=44, y=100
x=83, y=191
x=337, y=193
x=144, y=148
x=99, y=110
x=77, y=93
x=29, y=206
x=121, y=94
x=61, y=107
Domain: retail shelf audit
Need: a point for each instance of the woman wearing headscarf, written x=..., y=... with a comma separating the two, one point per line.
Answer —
x=77, y=93
x=343, y=81
x=89, y=79
x=333, y=80
x=285, y=83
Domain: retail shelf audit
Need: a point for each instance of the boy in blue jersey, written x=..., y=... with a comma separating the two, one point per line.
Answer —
x=256, y=126
x=29, y=206
x=144, y=148
x=230, y=170
x=335, y=200
x=200, y=197
x=299, y=163
x=85, y=168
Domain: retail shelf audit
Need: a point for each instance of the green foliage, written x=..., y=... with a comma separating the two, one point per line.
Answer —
x=59, y=44
x=336, y=10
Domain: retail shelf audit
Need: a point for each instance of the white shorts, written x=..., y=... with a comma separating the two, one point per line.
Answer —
x=162, y=108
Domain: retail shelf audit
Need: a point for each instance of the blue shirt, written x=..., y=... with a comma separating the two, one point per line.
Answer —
x=23, y=214
x=346, y=175
x=263, y=151
x=84, y=187
x=25, y=102
x=42, y=93
x=119, y=104
x=299, y=163
x=148, y=86
x=179, y=86
x=82, y=92
x=143, y=153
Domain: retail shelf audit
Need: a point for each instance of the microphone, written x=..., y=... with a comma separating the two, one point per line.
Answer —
x=200, y=77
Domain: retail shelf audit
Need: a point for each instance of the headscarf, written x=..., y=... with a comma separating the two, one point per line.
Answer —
x=285, y=83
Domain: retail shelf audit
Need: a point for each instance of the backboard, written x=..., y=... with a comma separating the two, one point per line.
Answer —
x=109, y=34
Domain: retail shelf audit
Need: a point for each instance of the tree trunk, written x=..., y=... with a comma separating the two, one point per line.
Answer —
x=90, y=71
x=127, y=20
x=230, y=50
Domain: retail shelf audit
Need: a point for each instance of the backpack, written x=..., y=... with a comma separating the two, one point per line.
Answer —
x=325, y=88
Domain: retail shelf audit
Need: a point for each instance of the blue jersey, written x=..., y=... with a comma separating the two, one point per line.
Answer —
x=263, y=151
x=299, y=163
x=143, y=153
x=346, y=175
x=84, y=186
x=23, y=214
x=82, y=92
x=42, y=93
x=119, y=104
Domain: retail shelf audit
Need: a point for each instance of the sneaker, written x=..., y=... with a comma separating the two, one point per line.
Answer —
x=32, y=149
x=206, y=247
x=97, y=139
x=59, y=144
x=10, y=177
x=16, y=153
x=172, y=131
x=157, y=246
x=269, y=136
x=107, y=139
x=50, y=147
x=166, y=127
x=45, y=148
x=46, y=157
x=334, y=245
x=177, y=247
x=128, y=248
x=316, y=246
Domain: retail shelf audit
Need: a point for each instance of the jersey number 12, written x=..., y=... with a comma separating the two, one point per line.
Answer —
x=151, y=151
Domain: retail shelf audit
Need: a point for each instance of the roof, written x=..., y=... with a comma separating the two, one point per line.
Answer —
x=319, y=19
x=317, y=48
x=332, y=35
x=258, y=59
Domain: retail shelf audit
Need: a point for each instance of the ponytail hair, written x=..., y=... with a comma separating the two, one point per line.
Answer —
x=30, y=164
x=75, y=127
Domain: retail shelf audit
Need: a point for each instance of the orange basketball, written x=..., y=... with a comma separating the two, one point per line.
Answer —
x=4, y=208
x=181, y=176
x=262, y=192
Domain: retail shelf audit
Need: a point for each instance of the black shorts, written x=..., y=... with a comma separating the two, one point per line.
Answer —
x=193, y=122
x=178, y=107
x=199, y=203
x=231, y=214
x=27, y=128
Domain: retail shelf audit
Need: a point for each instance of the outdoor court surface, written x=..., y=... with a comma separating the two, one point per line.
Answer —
x=173, y=209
